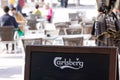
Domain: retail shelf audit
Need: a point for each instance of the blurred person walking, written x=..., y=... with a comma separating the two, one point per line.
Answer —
x=117, y=8
x=11, y=3
x=20, y=5
x=106, y=24
x=65, y=3
x=62, y=3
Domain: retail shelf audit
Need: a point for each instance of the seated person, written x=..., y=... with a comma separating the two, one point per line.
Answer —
x=7, y=20
x=49, y=12
x=20, y=20
x=37, y=11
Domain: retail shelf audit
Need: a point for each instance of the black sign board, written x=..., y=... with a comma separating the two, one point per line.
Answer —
x=70, y=63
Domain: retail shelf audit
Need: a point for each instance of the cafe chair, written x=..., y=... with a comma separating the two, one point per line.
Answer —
x=32, y=41
x=81, y=14
x=32, y=24
x=75, y=41
x=62, y=26
x=51, y=35
x=35, y=16
x=9, y=36
x=74, y=17
x=71, y=31
x=52, y=32
x=87, y=22
x=87, y=29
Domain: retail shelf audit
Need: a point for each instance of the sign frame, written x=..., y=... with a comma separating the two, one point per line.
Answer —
x=112, y=51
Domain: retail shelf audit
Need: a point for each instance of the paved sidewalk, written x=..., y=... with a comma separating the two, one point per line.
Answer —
x=11, y=66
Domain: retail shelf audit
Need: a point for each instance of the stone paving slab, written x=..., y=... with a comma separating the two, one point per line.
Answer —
x=11, y=66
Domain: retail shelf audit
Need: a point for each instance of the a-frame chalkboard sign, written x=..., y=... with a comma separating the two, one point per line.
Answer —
x=70, y=63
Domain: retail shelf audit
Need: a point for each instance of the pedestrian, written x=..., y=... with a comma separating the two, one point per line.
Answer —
x=103, y=29
x=62, y=3
x=11, y=3
x=20, y=5
x=65, y=3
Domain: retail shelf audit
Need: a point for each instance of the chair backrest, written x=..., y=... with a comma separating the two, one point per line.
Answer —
x=61, y=26
x=73, y=31
x=7, y=33
x=87, y=29
x=35, y=16
x=87, y=22
x=35, y=41
x=78, y=41
x=73, y=16
x=51, y=32
x=81, y=14
x=32, y=24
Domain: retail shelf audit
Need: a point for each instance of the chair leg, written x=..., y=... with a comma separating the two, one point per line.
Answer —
x=4, y=47
x=11, y=48
x=14, y=47
x=62, y=32
x=8, y=47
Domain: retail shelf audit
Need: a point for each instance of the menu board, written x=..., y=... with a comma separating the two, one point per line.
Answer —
x=70, y=63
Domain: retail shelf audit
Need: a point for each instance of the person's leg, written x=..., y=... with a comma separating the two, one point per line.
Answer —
x=7, y=46
x=13, y=47
x=66, y=3
x=62, y=3
x=19, y=9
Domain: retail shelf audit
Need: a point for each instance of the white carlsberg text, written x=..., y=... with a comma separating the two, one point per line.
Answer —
x=68, y=63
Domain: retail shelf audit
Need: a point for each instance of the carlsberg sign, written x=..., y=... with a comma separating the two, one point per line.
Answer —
x=68, y=63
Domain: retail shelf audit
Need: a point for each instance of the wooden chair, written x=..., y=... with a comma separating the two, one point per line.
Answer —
x=81, y=14
x=8, y=35
x=62, y=26
x=87, y=29
x=78, y=41
x=50, y=33
x=35, y=16
x=35, y=41
x=87, y=22
x=70, y=31
x=32, y=24
x=74, y=17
